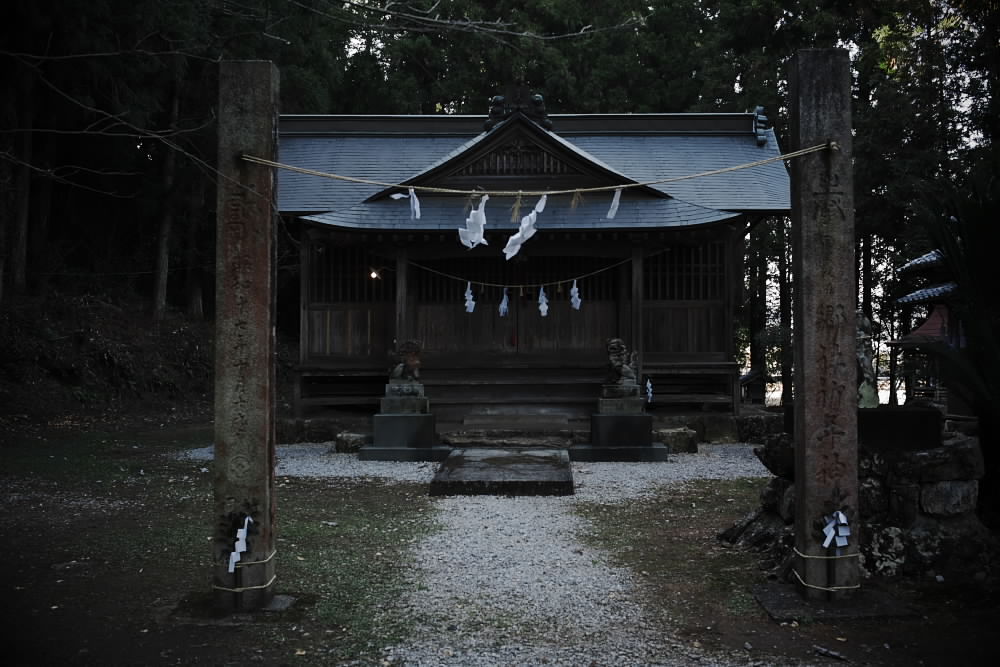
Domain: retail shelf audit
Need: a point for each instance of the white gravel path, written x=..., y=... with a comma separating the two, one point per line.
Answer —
x=508, y=581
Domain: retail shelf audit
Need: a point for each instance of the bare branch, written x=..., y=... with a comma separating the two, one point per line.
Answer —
x=41, y=57
x=398, y=17
x=54, y=174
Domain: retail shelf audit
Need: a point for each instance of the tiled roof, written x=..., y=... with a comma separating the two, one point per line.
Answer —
x=642, y=158
x=361, y=157
x=930, y=294
x=929, y=260
x=641, y=155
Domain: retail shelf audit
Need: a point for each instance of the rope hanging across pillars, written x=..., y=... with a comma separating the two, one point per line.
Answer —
x=829, y=145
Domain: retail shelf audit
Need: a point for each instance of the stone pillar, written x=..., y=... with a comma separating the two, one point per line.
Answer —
x=244, y=336
x=826, y=448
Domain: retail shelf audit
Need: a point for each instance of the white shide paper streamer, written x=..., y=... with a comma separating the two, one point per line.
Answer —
x=613, y=211
x=241, y=544
x=504, y=303
x=836, y=531
x=543, y=302
x=574, y=296
x=470, y=303
x=525, y=231
x=475, y=226
x=414, y=202
x=414, y=205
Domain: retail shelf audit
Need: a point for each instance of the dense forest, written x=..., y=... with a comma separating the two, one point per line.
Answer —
x=107, y=124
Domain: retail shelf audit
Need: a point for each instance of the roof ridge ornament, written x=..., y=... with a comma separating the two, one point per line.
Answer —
x=517, y=99
x=760, y=125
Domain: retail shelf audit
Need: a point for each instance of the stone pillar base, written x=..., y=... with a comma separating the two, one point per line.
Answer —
x=621, y=430
x=620, y=437
x=249, y=587
x=411, y=405
x=656, y=451
x=404, y=437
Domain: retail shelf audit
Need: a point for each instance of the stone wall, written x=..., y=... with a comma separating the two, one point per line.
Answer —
x=917, y=510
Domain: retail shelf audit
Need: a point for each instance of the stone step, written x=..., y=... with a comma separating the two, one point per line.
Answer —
x=530, y=415
x=508, y=438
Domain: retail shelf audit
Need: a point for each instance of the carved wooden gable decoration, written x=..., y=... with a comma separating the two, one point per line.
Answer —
x=520, y=156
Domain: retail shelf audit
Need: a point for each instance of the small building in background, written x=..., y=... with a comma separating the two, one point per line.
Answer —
x=925, y=348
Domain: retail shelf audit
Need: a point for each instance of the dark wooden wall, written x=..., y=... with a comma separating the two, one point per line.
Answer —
x=351, y=318
x=685, y=304
x=348, y=316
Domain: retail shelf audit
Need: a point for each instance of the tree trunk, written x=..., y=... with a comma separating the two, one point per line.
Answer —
x=192, y=274
x=42, y=211
x=758, y=314
x=166, y=216
x=6, y=212
x=19, y=241
x=893, y=364
x=905, y=326
x=785, y=315
x=3, y=243
x=867, y=277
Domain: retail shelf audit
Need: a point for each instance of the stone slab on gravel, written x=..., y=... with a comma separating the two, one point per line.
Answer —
x=504, y=472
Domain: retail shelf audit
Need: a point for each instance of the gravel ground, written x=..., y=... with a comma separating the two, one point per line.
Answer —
x=507, y=581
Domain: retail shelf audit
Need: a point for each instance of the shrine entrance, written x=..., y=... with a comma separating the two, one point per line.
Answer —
x=519, y=332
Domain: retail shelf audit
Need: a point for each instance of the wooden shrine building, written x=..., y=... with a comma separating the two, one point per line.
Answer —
x=664, y=272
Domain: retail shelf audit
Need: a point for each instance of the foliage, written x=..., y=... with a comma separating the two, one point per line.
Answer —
x=85, y=117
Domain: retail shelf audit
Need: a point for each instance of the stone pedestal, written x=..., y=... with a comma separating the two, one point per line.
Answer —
x=620, y=430
x=404, y=429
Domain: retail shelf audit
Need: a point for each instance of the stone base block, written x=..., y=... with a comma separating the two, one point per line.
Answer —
x=721, y=428
x=678, y=439
x=407, y=405
x=404, y=437
x=404, y=430
x=373, y=453
x=626, y=406
x=656, y=451
x=349, y=442
x=620, y=391
x=395, y=388
x=621, y=430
